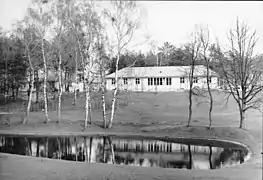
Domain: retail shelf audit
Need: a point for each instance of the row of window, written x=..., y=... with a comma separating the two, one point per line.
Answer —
x=125, y=81
x=159, y=81
x=195, y=80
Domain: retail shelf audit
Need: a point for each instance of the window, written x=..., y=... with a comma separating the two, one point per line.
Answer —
x=150, y=81
x=112, y=81
x=195, y=80
x=181, y=80
x=209, y=80
x=137, y=81
x=125, y=80
x=168, y=81
x=161, y=81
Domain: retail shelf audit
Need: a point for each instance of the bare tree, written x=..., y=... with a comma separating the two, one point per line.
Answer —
x=194, y=48
x=242, y=70
x=205, y=45
x=124, y=25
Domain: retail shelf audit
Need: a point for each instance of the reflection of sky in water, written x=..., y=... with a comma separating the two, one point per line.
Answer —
x=145, y=153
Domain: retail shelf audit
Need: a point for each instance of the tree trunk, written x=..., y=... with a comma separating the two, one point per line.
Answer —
x=90, y=148
x=75, y=97
x=210, y=157
x=90, y=115
x=37, y=90
x=242, y=118
x=76, y=77
x=104, y=149
x=65, y=81
x=85, y=150
x=112, y=151
x=37, y=154
x=104, y=109
x=86, y=105
x=13, y=90
x=45, y=81
x=103, y=91
x=191, y=77
x=29, y=146
x=190, y=157
x=115, y=92
x=59, y=88
x=17, y=91
x=190, y=107
x=6, y=80
x=30, y=94
x=210, y=95
x=46, y=148
x=59, y=149
x=76, y=146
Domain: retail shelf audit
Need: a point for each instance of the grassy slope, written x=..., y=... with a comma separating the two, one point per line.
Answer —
x=163, y=114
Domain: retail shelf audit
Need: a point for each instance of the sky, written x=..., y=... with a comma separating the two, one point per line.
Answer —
x=173, y=21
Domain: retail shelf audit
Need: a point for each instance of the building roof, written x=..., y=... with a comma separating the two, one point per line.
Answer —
x=161, y=71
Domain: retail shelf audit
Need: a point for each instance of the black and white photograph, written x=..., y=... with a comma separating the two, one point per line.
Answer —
x=131, y=90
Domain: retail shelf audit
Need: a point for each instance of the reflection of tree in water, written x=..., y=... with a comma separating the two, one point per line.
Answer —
x=210, y=158
x=230, y=156
x=146, y=153
x=129, y=159
x=119, y=159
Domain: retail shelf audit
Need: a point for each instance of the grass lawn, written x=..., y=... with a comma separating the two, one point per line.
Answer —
x=162, y=114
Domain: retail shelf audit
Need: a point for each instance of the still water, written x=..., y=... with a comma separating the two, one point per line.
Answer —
x=127, y=151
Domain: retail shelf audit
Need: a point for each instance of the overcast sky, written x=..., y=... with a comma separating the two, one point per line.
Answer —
x=173, y=21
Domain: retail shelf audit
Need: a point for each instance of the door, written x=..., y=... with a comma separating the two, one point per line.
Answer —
x=138, y=84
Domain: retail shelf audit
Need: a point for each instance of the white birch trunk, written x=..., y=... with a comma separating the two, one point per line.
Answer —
x=59, y=88
x=29, y=99
x=31, y=90
x=76, y=77
x=103, y=100
x=115, y=92
x=45, y=81
x=86, y=89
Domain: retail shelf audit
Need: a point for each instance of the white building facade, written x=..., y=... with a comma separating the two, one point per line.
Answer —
x=161, y=78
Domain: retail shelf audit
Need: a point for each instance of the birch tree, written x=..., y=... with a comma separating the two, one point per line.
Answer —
x=59, y=14
x=72, y=33
x=124, y=23
x=194, y=48
x=102, y=62
x=204, y=51
x=88, y=27
x=42, y=19
x=242, y=69
x=26, y=32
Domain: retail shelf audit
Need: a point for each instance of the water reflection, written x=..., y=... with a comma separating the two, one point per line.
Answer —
x=112, y=150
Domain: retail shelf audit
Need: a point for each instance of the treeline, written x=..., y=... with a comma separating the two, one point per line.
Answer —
x=12, y=65
x=168, y=55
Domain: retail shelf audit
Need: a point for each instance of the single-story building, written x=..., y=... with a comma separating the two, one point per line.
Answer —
x=161, y=78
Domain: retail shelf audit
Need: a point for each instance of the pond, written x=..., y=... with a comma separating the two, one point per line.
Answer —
x=132, y=151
